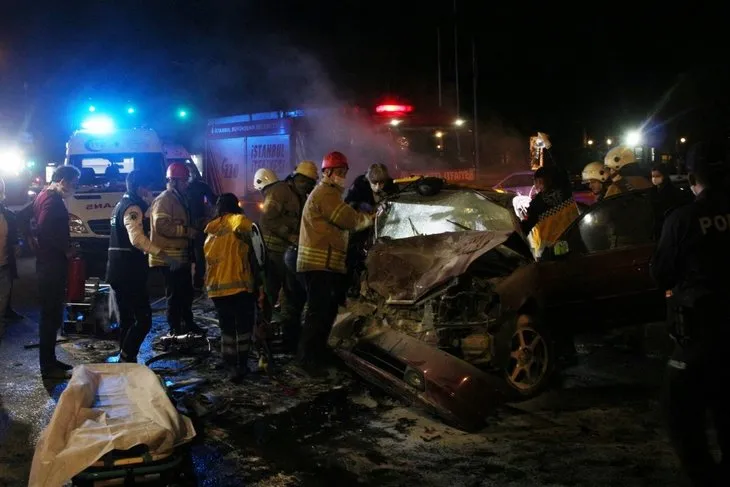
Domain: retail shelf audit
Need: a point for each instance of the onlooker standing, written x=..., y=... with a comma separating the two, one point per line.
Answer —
x=200, y=198
x=52, y=254
x=8, y=247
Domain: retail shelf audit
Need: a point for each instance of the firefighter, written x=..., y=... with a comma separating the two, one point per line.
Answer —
x=595, y=175
x=280, y=218
x=692, y=261
x=52, y=255
x=323, y=238
x=230, y=282
x=551, y=211
x=170, y=230
x=127, y=267
x=625, y=172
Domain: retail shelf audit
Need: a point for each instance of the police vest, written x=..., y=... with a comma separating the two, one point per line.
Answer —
x=127, y=264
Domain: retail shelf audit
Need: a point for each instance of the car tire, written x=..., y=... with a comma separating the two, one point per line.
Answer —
x=531, y=364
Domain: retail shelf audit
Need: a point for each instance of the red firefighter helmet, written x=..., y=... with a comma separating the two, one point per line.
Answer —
x=178, y=170
x=334, y=160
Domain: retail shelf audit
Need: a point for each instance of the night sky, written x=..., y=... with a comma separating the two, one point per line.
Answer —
x=602, y=68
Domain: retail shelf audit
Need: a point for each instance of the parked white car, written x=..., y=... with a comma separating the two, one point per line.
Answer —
x=521, y=183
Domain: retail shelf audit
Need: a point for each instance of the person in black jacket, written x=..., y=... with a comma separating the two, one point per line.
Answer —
x=127, y=266
x=370, y=188
x=8, y=247
x=366, y=192
x=200, y=199
x=693, y=263
x=665, y=195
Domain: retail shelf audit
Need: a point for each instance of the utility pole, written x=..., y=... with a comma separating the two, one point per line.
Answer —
x=474, y=87
x=456, y=60
x=438, y=64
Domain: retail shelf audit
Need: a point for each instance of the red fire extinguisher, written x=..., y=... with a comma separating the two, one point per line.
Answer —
x=76, y=280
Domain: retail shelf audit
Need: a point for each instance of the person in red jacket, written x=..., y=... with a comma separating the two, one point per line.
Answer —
x=52, y=254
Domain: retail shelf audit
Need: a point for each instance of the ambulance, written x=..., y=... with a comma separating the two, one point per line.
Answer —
x=104, y=160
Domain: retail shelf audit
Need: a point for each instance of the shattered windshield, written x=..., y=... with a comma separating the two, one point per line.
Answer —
x=411, y=215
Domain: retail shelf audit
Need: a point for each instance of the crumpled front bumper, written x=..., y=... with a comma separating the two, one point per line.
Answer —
x=449, y=387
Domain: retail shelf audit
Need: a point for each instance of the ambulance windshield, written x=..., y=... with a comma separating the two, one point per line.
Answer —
x=108, y=172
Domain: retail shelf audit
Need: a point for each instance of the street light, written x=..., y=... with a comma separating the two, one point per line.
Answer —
x=458, y=122
x=182, y=113
x=439, y=134
x=609, y=141
x=633, y=138
x=590, y=142
x=682, y=140
x=130, y=110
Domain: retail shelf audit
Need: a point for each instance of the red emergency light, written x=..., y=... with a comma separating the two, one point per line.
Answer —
x=393, y=109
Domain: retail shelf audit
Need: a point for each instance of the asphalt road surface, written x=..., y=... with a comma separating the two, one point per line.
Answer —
x=603, y=427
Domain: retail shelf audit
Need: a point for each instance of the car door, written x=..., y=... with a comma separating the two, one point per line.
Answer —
x=606, y=268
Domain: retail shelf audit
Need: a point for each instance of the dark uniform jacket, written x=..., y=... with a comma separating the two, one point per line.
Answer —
x=692, y=259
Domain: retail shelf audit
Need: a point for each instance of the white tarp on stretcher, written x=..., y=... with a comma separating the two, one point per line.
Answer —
x=106, y=407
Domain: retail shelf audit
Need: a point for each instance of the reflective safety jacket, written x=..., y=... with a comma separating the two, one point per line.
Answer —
x=631, y=179
x=228, y=256
x=170, y=227
x=324, y=233
x=280, y=216
x=550, y=213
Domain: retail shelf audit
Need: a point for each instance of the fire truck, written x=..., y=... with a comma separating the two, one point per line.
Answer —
x=393, y=133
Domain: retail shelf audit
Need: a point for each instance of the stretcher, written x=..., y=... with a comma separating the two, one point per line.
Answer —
x=138, y=466
x=114, y=424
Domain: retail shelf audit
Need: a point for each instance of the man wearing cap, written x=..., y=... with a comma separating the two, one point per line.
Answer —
x=323, y=238
x=692, y=263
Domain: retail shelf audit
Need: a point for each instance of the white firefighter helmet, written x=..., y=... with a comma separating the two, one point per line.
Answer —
x=263, y=178
x=619, y=157
x=307, y=169
x=595, y=170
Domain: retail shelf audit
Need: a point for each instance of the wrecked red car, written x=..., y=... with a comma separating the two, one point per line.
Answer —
x=454, y=313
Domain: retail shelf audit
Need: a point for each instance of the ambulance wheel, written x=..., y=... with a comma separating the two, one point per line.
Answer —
x=530, y=366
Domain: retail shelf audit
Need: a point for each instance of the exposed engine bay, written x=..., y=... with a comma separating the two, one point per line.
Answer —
x=455, y=318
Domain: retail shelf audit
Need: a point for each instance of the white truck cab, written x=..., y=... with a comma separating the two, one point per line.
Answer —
x=104, y=161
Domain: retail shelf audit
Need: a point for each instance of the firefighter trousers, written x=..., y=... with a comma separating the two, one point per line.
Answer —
x=236, y=318
x=323, y=293
x=179, y=294
x=695, y=385
x=280, y=277
x=135, y=317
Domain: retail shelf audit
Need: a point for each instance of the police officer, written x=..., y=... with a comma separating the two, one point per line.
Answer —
x=127, y=266
x=692, y=260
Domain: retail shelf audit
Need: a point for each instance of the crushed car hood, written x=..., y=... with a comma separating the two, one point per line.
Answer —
x=404, y=270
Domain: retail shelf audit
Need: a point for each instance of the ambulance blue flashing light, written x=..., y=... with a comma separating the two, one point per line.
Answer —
x=99, y=124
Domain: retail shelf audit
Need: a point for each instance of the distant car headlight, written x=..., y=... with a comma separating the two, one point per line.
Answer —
x=76, y=225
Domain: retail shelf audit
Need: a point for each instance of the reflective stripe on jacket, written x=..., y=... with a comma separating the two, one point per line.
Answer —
x=626, y=184
x=169, y=227
x=228, y=256
x=280, y=216
x=324, y=233
x=551, y=225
